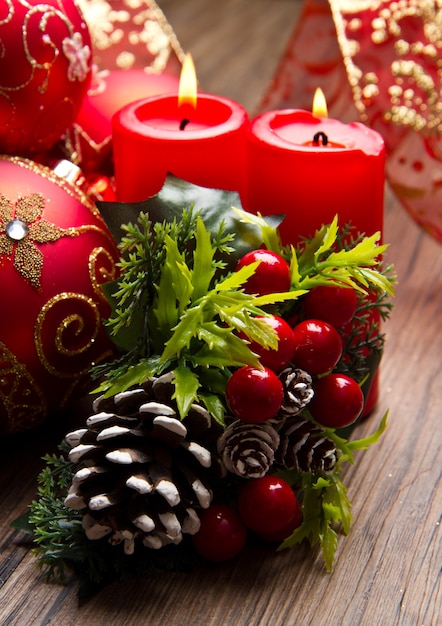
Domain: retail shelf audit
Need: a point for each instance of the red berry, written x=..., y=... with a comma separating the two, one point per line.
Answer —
x=277, y=359
x=254, y=395
x=335, y=305
x=222, y=534
x=269, y=507
x=271, y=276
x=318, y=346
x=337, y=402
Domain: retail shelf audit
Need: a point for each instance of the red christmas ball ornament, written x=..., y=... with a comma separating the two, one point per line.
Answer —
x=45, y=69
x=89, y=140
x=55, y=252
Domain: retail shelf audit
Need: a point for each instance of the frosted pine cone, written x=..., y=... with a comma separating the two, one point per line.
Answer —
x=298, y=391
x=248, y=450
x=304, y=447
x=137, y=474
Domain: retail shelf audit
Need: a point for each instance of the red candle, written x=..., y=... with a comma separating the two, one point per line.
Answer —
x=310, y=168
x=201, y=139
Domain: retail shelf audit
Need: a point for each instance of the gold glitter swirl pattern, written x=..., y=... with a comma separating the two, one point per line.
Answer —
x=36, y=20
x=404, y=76
x=24, y=404
x=102, y=269
x=76, y=320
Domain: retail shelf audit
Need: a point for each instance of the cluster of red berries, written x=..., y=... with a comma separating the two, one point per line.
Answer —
x=314, y=345
x=268, y=505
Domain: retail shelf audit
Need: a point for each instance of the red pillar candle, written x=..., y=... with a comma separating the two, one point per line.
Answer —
x=310, y=168
x=204, y=143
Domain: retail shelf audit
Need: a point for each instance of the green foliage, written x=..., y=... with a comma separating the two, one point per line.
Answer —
x=191, y=313
x=325, y=502
x=179, y=306
x=326, y=260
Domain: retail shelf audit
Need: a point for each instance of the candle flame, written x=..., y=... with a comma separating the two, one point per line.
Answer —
x=319, y=108
x=188, y=85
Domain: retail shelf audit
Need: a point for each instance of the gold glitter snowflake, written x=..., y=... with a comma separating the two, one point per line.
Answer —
x=21, y=229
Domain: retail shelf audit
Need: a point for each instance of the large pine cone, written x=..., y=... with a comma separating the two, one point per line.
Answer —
x=304, y=447
x=137, y=473
x=248, y=450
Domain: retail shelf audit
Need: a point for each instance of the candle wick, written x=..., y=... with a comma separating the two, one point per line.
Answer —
x=320, y=139
x=184, y=123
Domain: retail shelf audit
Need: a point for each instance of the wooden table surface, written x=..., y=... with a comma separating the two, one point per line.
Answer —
x=387, y=571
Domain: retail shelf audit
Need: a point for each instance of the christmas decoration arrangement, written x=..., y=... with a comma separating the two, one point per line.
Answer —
x=243, y=366
x=230, y=365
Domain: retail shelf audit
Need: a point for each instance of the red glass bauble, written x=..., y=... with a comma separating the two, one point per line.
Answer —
x=45, y=67
x=88, y=140
x=55, y=253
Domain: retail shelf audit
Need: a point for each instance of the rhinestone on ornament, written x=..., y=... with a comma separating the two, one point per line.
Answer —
x=17, y=229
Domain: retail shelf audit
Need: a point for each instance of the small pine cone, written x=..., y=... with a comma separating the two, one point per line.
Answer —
x=298, y=391
x=137, y=474
x=304, y=447
x=248, y=450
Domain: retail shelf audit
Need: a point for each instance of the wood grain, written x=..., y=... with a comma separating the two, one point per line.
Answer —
x=387, y=571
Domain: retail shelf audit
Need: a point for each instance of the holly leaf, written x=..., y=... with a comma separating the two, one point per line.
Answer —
x=215, y=407
x=222, y=348
x=344, y=505
x=329, y=542
x=215, y=207
x=183, y=332
x=363, y=444
x=204, y=269
x=186, y=386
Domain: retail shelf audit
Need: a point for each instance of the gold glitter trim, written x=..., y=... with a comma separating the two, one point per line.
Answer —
x=22, y=399
x=415, y=69
x=48, y=174
x=80, y=326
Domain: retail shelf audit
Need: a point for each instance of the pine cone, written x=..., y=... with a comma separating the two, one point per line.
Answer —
x=137, y=473
x=298, y=391
x=304, y=447
x=248, y=450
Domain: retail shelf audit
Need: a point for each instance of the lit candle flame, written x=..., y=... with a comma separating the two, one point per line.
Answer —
x=319, y=108
x=188, y=84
